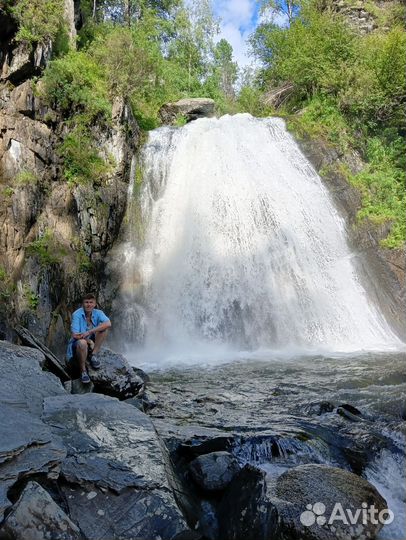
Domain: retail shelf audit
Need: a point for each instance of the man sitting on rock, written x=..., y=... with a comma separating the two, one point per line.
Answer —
x=89, y=330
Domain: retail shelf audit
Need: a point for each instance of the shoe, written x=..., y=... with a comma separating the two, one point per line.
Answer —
x=85, y=378
x=94, y=362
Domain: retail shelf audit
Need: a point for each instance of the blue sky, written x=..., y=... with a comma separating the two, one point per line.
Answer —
x=239, y=19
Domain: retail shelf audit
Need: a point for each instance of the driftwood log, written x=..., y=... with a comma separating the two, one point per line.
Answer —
x=52, y=363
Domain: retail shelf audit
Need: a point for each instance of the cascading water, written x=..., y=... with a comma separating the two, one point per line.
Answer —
x=243, y=247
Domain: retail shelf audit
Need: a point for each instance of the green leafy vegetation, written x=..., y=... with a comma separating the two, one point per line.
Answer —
x=346, y=89
x=82, y=163
x=76, y=85
x=47, y=249
x=8, y=192
x=31, y=297
x=26, y=177
x=38, y=20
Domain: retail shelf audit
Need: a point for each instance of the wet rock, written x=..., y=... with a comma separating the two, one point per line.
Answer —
x=145, y=402
x=349, y=412
x=135, y=402
x=189, y=535
x=116, y=483
x=27, y=445
x=149, y=400
x=35, y=516
x=190, y=108
x=319, y=408
x=245, y=510
x=299, y=489
x=115, y=377
x=214, y=471
x=141, y=373
x=208, y=522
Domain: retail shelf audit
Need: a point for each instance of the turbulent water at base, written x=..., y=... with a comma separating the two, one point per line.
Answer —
x=243, y=248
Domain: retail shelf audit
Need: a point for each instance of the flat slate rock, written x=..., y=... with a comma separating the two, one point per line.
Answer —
x=36, y=516
x=27, y=445
x=116, y=484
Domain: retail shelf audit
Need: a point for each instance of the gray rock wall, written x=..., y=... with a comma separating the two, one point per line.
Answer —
x=54, y=237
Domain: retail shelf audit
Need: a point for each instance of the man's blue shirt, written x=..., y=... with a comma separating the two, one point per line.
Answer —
x=79, y=324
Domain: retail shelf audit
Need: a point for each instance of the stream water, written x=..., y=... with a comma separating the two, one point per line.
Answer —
x=243, y=297
x=295, y=400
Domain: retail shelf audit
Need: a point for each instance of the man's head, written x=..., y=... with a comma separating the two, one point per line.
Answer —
x=89, y=302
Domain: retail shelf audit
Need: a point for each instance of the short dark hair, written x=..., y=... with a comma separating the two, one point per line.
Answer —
x=89, y=296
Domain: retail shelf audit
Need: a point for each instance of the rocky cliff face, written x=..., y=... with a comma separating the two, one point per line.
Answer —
x=365, y=16
x=53, y=236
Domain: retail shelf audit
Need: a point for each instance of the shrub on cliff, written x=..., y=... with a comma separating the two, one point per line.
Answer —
x=76, y=83
x=38, y=20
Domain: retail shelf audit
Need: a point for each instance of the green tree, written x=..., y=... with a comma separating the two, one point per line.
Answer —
x=193, y=45
x=286, y=8
x=38, y=20
x=225, y=67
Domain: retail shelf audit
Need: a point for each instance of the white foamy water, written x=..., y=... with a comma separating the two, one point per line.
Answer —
x=243, y=248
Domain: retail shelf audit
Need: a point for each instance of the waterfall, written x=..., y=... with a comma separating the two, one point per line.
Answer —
x=242, y=247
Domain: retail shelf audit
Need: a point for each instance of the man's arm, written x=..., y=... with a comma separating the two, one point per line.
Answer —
x=75, y=327
x=99, y=328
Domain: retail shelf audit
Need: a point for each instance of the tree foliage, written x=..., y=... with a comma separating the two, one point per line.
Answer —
x=350, y=89
x=38, y=20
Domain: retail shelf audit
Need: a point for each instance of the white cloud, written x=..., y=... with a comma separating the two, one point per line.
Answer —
x=237, y=23
x=238, y=12
x=238, y=41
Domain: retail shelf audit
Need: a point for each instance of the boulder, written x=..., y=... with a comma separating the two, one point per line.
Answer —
x=27, y=445
x=349, y=412
x=25, y=60
x=190, y=108
x=77, y=387
x=115, y=377
x=245, y=510
x=35, y=516
x=214, y=471
x=114, y=476
x=307, y=497
x=145, y=402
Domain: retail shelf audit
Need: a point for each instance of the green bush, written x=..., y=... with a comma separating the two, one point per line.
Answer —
x=26, y=177
x=375, y=95
x=382, y=185
x=321, y=118
x=31, y=298
x=82, y=163
x=76, y=83
x=38, y=19
x=47, y=249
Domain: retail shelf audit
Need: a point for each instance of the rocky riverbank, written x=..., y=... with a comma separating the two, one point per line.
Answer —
x=94, y=466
